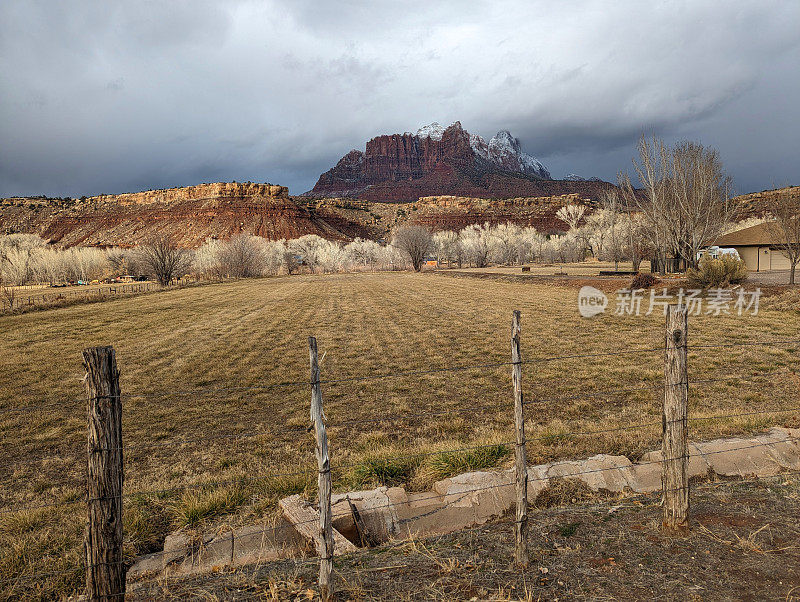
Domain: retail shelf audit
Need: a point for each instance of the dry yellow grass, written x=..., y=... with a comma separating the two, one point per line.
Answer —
x=244, y=336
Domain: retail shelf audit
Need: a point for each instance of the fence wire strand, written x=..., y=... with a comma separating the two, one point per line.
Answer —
x=441, y=497
x=622, y=502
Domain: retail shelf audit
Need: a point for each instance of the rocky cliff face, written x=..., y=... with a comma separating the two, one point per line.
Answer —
x=756, y=204
x=453, y=213
x=442, y=161
x=189, y=215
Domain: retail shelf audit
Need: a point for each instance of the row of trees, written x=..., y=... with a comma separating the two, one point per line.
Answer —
x=605, y=233
x=27, y=258
x=608, y=234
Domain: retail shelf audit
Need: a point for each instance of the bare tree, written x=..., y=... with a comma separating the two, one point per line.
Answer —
x=571, y=215
x=475, y=242
x=610, y=201
x=700, y=194
x=652, y=169
x=448, y=246
x=242, y=257
x=415, y=241
x=163, y=258
x=684, y=198
x=785, y=208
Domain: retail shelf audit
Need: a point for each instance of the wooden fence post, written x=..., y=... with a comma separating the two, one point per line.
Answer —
x=105, y=572
x=675, y=433
x=521, y=523
x=324, y=477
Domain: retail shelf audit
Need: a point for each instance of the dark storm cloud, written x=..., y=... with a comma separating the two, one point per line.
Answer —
x=114, y=96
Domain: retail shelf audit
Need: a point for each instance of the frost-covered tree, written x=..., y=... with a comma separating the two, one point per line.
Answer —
x=447, y=246
x=415, y=241
x=242, y=256
x=571, y=215
x=363, y=254
x=476, y=241
x=309, y=249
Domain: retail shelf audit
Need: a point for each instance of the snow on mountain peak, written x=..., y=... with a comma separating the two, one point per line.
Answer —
x=503, y=144
x=573, y=177
x=434, y=131
x=506, y=151
x=479, y=146
x=503, y=150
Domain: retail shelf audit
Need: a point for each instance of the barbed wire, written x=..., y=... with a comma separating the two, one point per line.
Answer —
x=243, y=480
x=622, y=502
x=546, y=437
x=298, y=383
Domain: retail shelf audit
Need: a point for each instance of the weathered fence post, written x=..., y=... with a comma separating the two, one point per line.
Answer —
x=521, y=523
x=105, y=572
x=324, y=477
x=675, y=436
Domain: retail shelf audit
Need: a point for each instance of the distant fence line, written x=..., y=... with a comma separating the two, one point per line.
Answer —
x=104, y=564
x=89, y=291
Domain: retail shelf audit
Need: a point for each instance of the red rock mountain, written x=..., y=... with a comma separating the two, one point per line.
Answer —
x=189, y=215
x=438, y=161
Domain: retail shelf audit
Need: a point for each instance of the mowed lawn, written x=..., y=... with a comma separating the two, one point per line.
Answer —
x=215, y=392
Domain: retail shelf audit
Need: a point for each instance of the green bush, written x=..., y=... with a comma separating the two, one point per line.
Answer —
x=712, y=273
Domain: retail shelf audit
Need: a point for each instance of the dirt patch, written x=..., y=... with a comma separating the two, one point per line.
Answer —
x=607, y=284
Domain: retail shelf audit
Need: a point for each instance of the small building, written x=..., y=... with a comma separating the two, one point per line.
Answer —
x=759, y=246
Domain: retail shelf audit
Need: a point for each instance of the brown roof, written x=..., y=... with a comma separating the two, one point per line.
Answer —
x=762, y=234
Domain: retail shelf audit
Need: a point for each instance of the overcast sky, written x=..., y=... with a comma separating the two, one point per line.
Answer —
x=122, y=96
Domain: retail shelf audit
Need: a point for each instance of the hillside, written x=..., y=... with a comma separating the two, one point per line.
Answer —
x=444, y=161
x=756, y=204
x=221, y=210
x=189, y=214
x=195, y=213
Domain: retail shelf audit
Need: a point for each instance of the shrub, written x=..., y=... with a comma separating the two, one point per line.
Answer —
x=719, y=272
x=643, y=280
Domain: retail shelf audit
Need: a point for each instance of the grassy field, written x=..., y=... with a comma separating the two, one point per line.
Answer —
x=199, y=365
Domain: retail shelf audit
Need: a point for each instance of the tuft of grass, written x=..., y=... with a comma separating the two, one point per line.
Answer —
x=448, y=464
x=562, y=492
x=145, y=522
x=196, y=507
x=24, y=521
x=555, y=434
x=568, y=529
x=384, y=471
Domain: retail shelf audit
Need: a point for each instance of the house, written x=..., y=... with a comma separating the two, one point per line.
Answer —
x=759, y=246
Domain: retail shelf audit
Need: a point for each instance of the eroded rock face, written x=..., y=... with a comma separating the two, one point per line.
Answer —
x=189, y=215
x=757, y=204
x=449, y=212
x=440, y=161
